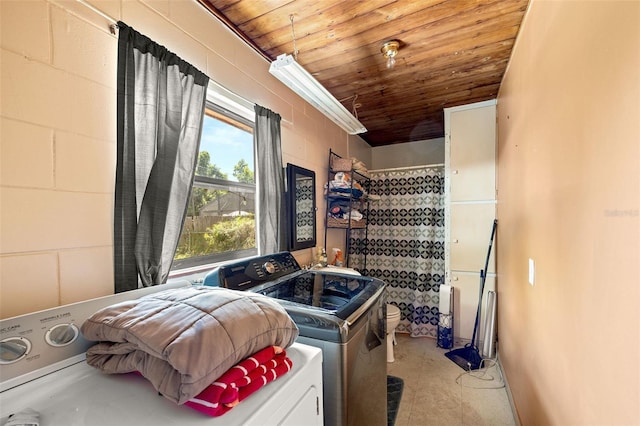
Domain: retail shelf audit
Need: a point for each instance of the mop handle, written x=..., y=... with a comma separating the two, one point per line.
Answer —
x=493, y=233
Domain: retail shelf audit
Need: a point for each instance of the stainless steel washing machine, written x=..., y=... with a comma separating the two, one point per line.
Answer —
x=340, y=313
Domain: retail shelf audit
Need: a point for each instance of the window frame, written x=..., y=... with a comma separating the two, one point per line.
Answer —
x=215, y=102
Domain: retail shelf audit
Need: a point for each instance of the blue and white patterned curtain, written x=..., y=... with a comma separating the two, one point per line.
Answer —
x=404, y=243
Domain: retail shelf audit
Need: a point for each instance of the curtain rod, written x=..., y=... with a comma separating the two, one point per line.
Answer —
x=426, y=166
x=114, y=22
x=114, y=26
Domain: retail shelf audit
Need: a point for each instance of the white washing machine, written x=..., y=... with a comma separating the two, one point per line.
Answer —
x=43, y=368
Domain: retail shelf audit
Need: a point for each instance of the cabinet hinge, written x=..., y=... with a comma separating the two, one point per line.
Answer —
x=317, y=405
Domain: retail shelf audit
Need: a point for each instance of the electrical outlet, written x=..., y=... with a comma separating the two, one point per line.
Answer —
x=532, y=271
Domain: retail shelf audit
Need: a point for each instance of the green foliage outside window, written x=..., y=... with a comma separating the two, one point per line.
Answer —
x=203, y=235
x=200, y=196
x=236, y=234
x=229, y=235
x=242, y=172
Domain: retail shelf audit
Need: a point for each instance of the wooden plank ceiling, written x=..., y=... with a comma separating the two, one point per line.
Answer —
x=452, y=52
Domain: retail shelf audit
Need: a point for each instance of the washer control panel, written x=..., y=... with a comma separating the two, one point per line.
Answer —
x=13, y=349
x=248, y=273
x=62, y=335
x=43, y=339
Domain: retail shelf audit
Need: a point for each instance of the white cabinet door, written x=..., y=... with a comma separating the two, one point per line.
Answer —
x=470, y=233
x=472, y=154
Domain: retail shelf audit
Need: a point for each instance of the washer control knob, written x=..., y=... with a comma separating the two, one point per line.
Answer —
x=61, y=335
x=13, y=349
x=269, y=268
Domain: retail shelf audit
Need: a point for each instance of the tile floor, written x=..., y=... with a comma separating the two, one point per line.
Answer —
x=438, y=392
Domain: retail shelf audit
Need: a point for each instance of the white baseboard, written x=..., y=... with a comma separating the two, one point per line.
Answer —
x=514, y=412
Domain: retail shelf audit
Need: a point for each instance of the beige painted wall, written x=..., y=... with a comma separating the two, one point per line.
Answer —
x=58, y=134
x=568, y=184
x=417, y=153
x=359, y=149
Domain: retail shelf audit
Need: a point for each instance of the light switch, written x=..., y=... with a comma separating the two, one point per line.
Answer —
x=532, y=272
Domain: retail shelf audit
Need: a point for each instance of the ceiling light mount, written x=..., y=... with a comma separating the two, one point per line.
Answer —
x=389, y=50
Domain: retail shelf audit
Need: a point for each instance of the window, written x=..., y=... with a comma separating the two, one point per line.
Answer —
x=220, y=221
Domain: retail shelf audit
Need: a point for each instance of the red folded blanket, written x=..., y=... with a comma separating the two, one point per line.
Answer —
x=241, y=380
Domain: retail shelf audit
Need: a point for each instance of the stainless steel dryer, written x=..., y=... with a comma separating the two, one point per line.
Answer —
x=342, y=314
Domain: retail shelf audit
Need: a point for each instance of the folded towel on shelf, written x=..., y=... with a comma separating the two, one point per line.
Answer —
x=342, y=187
x=356, y=215
x=241, y=380
x=360, y=167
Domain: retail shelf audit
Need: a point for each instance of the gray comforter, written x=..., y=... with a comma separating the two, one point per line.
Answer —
x=183, y=339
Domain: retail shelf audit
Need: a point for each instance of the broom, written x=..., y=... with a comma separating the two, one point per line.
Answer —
x=468, y=357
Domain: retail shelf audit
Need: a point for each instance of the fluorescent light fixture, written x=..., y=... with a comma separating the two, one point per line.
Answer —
x=288, y=71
